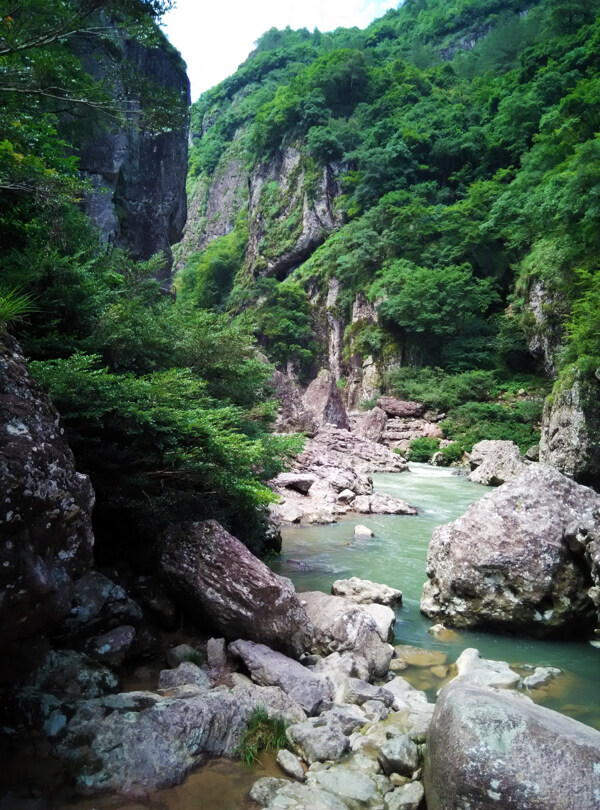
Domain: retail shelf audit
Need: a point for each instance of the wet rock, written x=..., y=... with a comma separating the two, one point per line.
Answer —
x=112, y=648
x=45, y=512
x=341, y=625
x=186, y=673
x=366, y=592
x=359, y=531
x=417, y=657
x=215, y=575
x=406, y=797
x=443, y=633
x=136, y=742
x=440, y=672
x=318, y=739
x=478, y=671
x=495, y=462
x=479, y=740
x=541, y=676
x=290, y=765
x=270, y=668
x=398, y=407
x=381, y=504
x=399, y=755
x=516, y=560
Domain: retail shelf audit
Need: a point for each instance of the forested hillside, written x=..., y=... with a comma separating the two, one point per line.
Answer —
x=428, y=188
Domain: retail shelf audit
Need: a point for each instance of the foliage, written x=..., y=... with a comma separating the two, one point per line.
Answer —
x=423, y=449
x=475, y=421
x=14, y=305
x=440, y=390
x=262, y=733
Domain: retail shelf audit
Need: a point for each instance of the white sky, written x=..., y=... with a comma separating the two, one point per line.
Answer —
x=215, y=37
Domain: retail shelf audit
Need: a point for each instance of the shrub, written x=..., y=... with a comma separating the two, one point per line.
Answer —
x=263, y=733
x=423, y=449
x=452, y=453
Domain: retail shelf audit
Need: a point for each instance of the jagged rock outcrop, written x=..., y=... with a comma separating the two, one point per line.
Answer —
x=139, y=199
x=570, y=439
x=45, y=516
x=494, y=462
x=516, y=560
x=479, y=741
x=322, y=397
x=216, y=577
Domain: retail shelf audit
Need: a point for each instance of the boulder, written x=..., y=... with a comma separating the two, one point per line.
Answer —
x=399, y=755
x=346, y=495
x=541, y=676
x=359, y=692
x=323, y=399
x=495, y=462
x=399, y=407
x=384, y=618
x=478, y=671
x=292, y=416
x=338, y=668
x=275, y=794
x=516, y=560
x=371, y=424
x=359, y=531
x=290, y=765
x=357, y=790
x=381, y=504
x=318, y=739
x=215, y=575
x=186, y=673
x=270, y=668
x=301, y=482
x=342, y=449
x=488, y=749
x=418, y=657
x=340, y=624
x=365, y=592
x=406, y=797
x=137, y=742
x=112, y=648
x=45, y=511
x=156, y=602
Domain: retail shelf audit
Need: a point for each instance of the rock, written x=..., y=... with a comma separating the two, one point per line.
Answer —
x=138, y=200
x=216, y=653
x=301, y=482
x=416, y=657
x=570, y=439
x=406, y=797
x=290, y=765
x=264, y=790
x=440, y=671
x=489, y=748
x=153, y=598
x=371, y=424
x=516, y=560
x=495, y=462
x=443, y=633
x=384, y=618
x=318, y=739
x=533, y=454
x=366, y=592
x=341, y=625
x=270, y=668
x=375, y=710
x=323, y=399
x=337, y=668
x=346, y=496
x=478, y=671
x=293, y=795
x=46, y=506
x=322, y=517
x=113, y=647
x=399, y=755
x=183, y=652
x=215, y=575
x=541, y=676
x=359, y=531
x=98, y=605
x=186, y=673
x=292, y=416
x=349, y=716
x=359, y=692
x=398, y=407
x=341, y=449
x=288, y=512
x=397, y=665
x=355, y=789
x=405, y=695
x=381, y=504
x=137, y=742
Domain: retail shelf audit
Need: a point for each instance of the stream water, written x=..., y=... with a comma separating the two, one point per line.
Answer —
x=314, y=556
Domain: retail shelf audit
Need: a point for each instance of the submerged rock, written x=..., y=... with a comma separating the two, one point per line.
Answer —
x=216, y=576
x=516, y=560
x=365, y=592
x=488, y=749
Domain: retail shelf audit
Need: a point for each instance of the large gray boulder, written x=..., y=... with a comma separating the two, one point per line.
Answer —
x=488, y=749
x=45, y=510
x=136, y=742
x=341, y=625
x=214, y=575
x=270, y=668
x=518, y=560
x=323, y=399
x=495, y=462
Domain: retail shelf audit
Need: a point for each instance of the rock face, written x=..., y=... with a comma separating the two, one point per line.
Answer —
x=214, y=575
x=323, y=398
x=45, y=516
x=293, y=416
x=479, y=741
x=139, y=199
x=519, y=560
x=570, y=439
x=495, y=462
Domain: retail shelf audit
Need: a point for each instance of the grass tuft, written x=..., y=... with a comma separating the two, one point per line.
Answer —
x=263, y=733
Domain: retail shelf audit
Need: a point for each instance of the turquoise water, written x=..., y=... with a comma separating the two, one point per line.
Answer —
x=396, y=556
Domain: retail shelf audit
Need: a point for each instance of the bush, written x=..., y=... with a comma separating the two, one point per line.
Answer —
x=475, y=421
x=452, y=453
x=438, y=389
x=423, y=449
x=262, y=733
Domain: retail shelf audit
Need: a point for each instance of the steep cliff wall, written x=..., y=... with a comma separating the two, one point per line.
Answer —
x=45, y=515
x=139, y=199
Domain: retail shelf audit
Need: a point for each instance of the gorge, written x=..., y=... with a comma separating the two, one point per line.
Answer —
x=385, y=283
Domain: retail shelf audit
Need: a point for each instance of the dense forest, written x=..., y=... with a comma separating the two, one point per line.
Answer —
x=460, y=142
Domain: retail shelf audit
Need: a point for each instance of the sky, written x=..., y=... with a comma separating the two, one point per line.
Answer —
x=215, y=37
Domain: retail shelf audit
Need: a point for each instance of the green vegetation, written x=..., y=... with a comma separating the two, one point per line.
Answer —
x=262, y=733
x=423, y=449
